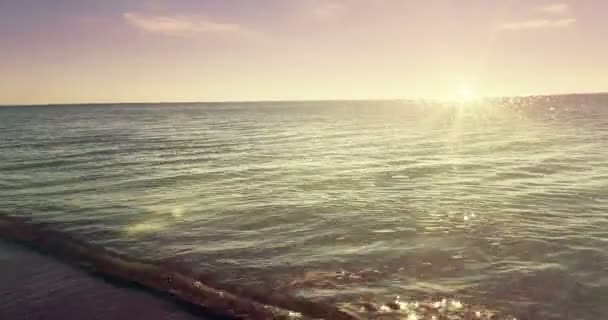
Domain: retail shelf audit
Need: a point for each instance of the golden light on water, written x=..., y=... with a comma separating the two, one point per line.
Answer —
x=145, y=227
x=161, y=219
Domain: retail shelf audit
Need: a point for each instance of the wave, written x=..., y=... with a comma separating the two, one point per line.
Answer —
x=184, y=286
x=227, y=301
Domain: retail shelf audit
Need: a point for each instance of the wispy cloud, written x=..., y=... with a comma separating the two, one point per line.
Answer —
x=555, y=15
x=554, y=8
x=539, y=24
x=177, y=26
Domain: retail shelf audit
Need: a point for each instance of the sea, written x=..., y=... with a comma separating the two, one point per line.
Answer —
x=496, y=202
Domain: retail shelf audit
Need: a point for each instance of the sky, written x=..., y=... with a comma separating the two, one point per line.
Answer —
x=77, y=51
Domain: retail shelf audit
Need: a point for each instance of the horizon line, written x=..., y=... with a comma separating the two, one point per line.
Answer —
x=295, y=100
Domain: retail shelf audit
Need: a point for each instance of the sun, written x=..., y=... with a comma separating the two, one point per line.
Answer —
x=465, y=93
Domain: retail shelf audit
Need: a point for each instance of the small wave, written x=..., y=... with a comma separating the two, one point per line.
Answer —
x=228, y=300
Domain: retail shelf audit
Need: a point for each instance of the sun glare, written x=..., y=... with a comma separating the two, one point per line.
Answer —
x=465, y=93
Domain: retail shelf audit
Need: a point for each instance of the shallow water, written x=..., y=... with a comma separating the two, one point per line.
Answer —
x=34, y=286
x=501, y=203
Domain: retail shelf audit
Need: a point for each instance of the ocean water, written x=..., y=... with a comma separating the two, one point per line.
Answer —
x=502, y=203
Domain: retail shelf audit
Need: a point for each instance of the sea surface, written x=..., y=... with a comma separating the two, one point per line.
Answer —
x=499, y=202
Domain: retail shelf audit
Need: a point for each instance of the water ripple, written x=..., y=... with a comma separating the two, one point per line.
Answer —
x=503, y=205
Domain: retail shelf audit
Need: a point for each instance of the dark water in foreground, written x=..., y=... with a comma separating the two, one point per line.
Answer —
x=36, y=287
x=501, y=204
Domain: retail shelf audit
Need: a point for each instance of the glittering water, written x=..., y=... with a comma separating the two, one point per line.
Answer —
x=501, y=203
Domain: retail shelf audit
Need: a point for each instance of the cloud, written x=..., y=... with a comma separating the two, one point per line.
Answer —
x=555, y=8
x=177, y=26
x=539, y=24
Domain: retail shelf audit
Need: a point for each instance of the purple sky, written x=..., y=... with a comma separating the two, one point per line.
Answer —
x=55, y=51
